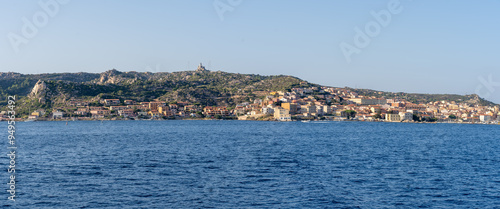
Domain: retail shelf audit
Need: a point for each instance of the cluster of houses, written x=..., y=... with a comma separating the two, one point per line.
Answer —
x=341, y=104
x=311, y=103
x=116, y=108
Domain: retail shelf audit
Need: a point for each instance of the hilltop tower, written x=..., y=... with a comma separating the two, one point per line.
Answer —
x=201, y=68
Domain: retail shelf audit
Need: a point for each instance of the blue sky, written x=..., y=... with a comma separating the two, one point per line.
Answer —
x=428, y=47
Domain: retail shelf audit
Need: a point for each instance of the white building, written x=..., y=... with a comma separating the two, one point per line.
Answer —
x=267, y=110
x=32, y=117
x=327, y=109
x=57, y=115
x=485, y=118
x=408, y=116
x=363, y=101
x=319, y=110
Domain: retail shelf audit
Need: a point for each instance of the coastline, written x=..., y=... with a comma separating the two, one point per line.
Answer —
x=213, y=119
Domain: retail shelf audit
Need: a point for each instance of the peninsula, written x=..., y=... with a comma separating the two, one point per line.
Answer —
x=205, y=94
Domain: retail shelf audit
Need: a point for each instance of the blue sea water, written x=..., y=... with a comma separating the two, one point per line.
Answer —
x=248, y=164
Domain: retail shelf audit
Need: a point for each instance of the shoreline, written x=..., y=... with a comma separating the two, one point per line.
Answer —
x=210, y=119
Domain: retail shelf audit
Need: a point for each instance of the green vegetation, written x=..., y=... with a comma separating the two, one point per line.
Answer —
x=419, y=118
x=425, y=98
x=350, y=114
x=204, y=88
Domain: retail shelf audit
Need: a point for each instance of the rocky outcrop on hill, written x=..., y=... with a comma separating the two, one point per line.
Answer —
x=39, y=91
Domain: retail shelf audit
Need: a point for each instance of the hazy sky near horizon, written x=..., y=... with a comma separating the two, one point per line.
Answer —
x=425, y=47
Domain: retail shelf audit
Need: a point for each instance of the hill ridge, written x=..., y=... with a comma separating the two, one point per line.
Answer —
x=200, y=86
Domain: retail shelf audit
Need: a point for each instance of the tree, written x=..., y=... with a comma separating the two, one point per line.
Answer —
x=431, y=120
x=453, y=117
x=350, y=114
x=415, y=117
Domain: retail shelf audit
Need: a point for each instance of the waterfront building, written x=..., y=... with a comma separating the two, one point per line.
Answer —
x=282, y=114
x=57, y=115
x=392, y=117
x=126, y=112
x=406, y=116
x=485, y=118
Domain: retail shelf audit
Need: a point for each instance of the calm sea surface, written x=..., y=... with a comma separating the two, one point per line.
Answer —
x=244, y=164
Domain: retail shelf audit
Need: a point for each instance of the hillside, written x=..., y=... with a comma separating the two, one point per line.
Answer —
x=201, y=86
x=426, y=98
x=208, y=88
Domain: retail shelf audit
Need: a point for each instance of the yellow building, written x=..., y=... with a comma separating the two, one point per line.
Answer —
x=162, y=109
x=393, y=117
x=291, y=107
x=154, y=114
x=282, y=114
x=153, y=106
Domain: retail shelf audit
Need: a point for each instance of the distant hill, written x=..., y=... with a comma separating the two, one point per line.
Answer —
x=425, y=98
x=204, y=87
x=200, y=86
